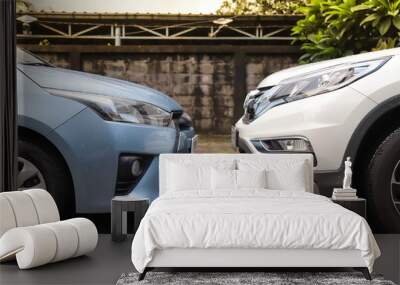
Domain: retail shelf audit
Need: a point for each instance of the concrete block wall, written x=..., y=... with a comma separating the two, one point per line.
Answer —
x=57, y=59
x=258, y=67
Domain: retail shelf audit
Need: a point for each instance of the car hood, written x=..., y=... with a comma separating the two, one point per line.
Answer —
x=65, y=79
x=277, y=77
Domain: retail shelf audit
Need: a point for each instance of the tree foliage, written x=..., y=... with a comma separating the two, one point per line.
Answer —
x=331, y=28
x=22, y=6
x=334, y=28
x=260, y=7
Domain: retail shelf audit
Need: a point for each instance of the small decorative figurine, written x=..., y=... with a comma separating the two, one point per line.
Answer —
x=345, y=193
x=348, y=174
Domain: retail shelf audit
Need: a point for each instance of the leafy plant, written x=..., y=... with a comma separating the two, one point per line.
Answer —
x=380, y=14
x=22, y=6
x=260, y=7
x=334, y=28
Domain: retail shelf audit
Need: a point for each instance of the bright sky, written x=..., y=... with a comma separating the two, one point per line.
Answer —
x=130, y=6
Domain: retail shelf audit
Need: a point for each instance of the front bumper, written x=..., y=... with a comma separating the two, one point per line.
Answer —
x=92, y=149
x=326, y=121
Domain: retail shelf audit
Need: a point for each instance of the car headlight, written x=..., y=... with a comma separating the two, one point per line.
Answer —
x=185, y=121
x=120, y=109
x=310, y=84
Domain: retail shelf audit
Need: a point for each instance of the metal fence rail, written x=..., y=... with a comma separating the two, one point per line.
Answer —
x=118, y=28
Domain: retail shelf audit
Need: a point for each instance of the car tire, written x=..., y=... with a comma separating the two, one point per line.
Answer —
x=51, y=167
x=383, y=187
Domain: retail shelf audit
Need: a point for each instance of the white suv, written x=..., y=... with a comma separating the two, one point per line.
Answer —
x=337, y=108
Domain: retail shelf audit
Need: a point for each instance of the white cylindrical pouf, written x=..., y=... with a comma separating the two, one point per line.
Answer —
x=33, y=246
x=45, y=205
x=87, y=234
x=23, y=208
x=7, y=218
x=67, y=240
x=31, y=232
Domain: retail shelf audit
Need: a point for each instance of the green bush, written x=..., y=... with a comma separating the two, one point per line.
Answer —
x=22, y=6
x=260, y=7
x=334, y=28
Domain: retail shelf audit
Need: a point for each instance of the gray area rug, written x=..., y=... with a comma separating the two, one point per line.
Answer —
x=232, y=278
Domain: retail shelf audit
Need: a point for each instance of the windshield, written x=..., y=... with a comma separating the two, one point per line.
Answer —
x=24, y=57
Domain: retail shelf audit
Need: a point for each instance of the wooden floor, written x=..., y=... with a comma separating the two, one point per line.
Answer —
x=106, y=264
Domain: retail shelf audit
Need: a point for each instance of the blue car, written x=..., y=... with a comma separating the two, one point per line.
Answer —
x=86, y=138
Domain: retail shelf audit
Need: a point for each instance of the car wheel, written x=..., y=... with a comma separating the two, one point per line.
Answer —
x=41, y=167
x=383, y=187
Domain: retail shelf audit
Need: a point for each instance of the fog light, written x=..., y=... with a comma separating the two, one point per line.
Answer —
x=136, y=167
x=289, y=144
x=131, y=168
x=285, y=145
